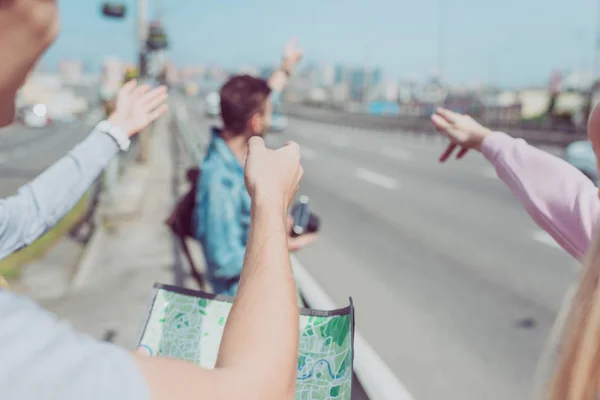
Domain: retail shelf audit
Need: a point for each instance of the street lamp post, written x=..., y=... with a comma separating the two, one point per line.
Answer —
x=118, y=10
x=441, y=39
x=142, y=36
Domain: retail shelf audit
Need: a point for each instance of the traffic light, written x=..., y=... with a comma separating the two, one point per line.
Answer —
x=114, y=10
x=157, y=38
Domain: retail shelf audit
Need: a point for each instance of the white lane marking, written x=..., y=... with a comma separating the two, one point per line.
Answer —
x=489, y=172
x=376, y=378
x=307, y=153
x=396, y=153
x=2, y=159
x=375, y=178
x=544, y=238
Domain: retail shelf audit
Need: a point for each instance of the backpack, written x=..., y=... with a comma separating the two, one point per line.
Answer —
x=181, y=222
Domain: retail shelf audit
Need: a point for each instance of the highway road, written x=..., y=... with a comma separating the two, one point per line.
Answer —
x=25, y=152
x=454, y=286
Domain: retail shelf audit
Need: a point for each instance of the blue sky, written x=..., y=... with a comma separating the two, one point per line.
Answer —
x=508, y=42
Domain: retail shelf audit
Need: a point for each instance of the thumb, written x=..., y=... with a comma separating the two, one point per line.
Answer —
x=255, y=144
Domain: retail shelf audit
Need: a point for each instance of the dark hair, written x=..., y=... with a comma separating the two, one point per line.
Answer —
x=241, y=97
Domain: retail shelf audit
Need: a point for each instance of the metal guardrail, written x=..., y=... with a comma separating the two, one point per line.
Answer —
x=532, y=132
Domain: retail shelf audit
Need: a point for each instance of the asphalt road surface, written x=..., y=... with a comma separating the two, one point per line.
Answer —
x=25, y=152
x=454, y=286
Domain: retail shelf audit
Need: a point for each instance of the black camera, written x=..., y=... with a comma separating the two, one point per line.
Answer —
x=304, y=220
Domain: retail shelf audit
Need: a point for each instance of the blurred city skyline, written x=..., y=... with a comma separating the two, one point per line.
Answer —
x=520, y=46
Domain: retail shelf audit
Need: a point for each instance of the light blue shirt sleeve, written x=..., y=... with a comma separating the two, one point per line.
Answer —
x=220, y=232
x=40, y=204
x=45, y=358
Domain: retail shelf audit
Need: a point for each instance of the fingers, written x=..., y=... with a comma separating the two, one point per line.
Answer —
x=155, y=98
x=140, y=91
x=256, y=143
x=450, y=149
x=128, y=87
x=440, y=123
x=448, y=152
x=292, y=148
x=450, y=116
x=158, y=112
x=462, y=153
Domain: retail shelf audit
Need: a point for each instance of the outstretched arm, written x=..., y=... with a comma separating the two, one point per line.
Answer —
x=292, y=54
x=559, y=198
x=40, y=204
x=260, y=340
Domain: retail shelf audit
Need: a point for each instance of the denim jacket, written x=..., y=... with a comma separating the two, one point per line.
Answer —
x=222, y=215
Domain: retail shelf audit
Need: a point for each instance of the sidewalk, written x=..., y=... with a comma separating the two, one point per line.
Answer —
x=110, y=293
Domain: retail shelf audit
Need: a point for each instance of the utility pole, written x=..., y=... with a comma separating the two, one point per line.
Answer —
x=142, y=36
x=441, y=39
x=596, y=67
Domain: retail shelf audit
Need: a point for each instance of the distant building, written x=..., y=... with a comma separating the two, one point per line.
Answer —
x=429, y=93
x=417, y=109
x=376, y=77
x=340, y=94
x=339, y=74
x=468, y=103
x=325, y=75
x=359, y=80
x=534, y=102
x=504, y=114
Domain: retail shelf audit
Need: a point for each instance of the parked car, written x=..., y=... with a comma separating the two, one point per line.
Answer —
x=581, y=155
x=35, y=116
x=212, y=105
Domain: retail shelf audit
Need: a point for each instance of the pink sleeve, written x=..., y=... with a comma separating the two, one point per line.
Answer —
x=559, y=198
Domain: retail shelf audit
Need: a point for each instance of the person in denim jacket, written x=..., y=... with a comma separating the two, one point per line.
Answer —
x=222, y=213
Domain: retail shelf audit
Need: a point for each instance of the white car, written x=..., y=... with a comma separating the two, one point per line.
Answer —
x=36, y=116
x=212, y=105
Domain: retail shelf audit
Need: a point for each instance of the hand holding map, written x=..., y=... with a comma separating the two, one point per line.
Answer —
x=188, y=325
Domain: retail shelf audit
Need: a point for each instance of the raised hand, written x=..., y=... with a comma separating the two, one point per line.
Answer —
x=272, y=175
x=138, y=106
x=462, y=131
x=292, y=54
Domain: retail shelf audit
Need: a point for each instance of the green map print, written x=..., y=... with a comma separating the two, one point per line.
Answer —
x=188, y=325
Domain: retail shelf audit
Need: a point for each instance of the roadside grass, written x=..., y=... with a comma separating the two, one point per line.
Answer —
x=10, y=267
